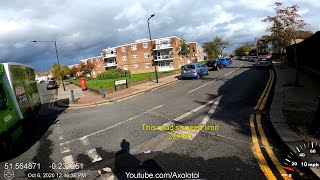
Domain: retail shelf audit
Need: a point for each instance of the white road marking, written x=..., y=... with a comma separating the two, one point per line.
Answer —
x=64, y=148
x=201, y=86
x=68, y=160
x=107, y=175
x=287, y=160
x=206, y=118
x=187, y=114
x=113, y=126
x=94, y=156
x=298, y=149
x=229, y=73
x=84, y=140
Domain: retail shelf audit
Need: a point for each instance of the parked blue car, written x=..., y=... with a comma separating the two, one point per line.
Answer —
x=224, y=61
x=194, y=70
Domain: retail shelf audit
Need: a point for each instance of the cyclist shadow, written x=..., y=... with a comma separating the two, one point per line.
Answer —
x=126, y=163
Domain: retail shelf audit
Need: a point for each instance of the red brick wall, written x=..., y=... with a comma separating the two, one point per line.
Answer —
x=99, y=68
x=135, y=65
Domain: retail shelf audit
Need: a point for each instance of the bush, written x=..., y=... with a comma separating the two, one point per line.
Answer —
x=114, y=74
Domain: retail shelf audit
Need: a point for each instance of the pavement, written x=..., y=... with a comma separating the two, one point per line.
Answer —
x=89, y=98
x=293, y=109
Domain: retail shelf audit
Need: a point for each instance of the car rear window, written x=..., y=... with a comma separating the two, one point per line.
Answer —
x=51, y=82
x=188, y=66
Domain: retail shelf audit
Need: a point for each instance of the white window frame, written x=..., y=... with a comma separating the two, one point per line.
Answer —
x=135, y=66
x=134, y=56
x=123, y=49
x=148, y=65
x=125, y=67
x=133, y=47
x=145, y=45
x=124, y=58
x=146, y=55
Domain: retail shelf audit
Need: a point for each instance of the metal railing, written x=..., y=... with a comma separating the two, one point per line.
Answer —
x=163, y=46
x=108, y=64
x=165, y=56
x=109, y=55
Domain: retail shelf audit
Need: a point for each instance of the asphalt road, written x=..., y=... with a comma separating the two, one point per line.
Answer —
x=94, y=137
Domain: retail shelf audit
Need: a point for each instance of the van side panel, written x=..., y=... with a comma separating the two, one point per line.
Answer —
x=17, y=76
x=8, y=116
x=34, y=96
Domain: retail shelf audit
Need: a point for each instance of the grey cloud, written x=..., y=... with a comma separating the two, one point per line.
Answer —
x=83, y=28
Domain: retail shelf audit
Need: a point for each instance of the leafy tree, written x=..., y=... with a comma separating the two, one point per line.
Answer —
x=283, y=28
x=82, y=66
x=90, y=67
x=184, y=49
x=245, y=49
x=87, y=67
x=241, y=51
x=220, y=44
x=303, y=34
x=215, y=47
x=59, y=71
x=210, y=50
x=73, y=71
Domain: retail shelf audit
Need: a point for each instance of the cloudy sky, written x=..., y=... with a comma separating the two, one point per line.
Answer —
x=83, y=28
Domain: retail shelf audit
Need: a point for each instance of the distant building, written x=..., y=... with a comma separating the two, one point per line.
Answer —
x=44, y=76
x=138, y=56
x=265, y=47
x=142, y=55
x=196, y=52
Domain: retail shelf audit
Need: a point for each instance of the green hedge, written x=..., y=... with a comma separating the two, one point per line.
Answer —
x=114, y=74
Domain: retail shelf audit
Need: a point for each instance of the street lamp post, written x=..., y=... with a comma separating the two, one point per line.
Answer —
x=155, y=64
x=55, y=45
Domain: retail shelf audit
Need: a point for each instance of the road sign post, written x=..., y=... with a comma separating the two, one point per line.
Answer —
x=72, y=96
x=103, y=96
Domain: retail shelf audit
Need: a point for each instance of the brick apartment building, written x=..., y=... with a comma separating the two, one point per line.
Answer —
x=138, y=56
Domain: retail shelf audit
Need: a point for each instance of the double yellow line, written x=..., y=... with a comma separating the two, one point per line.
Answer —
x=264, y=96
x=256, y=148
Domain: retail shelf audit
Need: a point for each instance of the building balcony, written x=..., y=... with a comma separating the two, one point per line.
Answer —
x=110, y=64
x=163, y=46
x=163, y=57
x=109, y=55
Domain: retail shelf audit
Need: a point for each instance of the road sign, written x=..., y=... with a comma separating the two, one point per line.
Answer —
x=116, y=83
x=124, y=81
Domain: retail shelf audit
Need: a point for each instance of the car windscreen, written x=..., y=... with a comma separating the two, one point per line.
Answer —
x=51, y=82
x=188, y=66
